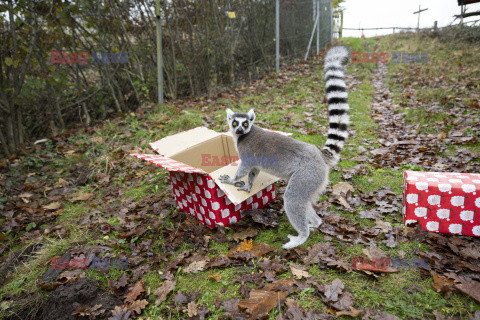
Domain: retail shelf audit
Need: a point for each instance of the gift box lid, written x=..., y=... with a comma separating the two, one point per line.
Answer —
x=171, y=145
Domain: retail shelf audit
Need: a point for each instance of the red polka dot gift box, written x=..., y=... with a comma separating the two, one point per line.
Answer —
x=195, y=160
x=442, y=201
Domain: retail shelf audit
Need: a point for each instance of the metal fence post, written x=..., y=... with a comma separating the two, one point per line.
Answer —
x=311, y=38
x=159, y=53
x=277, y=36
x=330, y=16
x=318, y=27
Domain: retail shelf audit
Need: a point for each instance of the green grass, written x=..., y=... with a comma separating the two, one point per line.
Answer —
x=25, y=276
x=154, y=185
x=72, y=213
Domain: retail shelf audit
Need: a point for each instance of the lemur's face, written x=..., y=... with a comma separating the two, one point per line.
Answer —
x=240, y=123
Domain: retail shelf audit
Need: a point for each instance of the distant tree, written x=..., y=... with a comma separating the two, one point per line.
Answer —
x=337, y=16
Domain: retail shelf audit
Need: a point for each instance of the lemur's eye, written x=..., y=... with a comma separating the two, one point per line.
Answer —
x=234, y=123
x=245, y=124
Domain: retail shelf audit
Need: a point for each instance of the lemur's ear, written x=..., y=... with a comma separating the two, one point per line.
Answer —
x=251, y=115
x=230, y=113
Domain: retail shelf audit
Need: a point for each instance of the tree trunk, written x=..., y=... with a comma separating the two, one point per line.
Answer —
x=4, y=144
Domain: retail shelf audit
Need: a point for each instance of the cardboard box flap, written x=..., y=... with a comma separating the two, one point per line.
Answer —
x=182, y=141
x=261, y=182
x=167, y=163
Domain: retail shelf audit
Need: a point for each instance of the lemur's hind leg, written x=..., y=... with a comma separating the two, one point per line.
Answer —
x=314, y=221
x=301, y=188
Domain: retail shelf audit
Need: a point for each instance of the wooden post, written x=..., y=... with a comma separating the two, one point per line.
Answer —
x=340, y=31
x=462, y=9
x=418, y=12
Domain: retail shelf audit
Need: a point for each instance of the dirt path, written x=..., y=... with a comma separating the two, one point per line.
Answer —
x=403, y=145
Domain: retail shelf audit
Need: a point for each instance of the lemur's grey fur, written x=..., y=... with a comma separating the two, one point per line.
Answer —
x=303, y=164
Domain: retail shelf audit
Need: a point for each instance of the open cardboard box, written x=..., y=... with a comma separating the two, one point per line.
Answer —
x=195, y=160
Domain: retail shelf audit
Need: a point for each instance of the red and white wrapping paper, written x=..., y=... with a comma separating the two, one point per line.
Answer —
x=199, y=195
x=168, y=164
x=442, y=202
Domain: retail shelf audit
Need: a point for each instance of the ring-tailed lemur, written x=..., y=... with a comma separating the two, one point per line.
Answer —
x=303, y=164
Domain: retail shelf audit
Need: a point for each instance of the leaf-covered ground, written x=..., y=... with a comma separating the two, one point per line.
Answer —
x=79, y=197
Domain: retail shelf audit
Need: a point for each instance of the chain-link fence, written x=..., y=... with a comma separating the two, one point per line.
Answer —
x=297, y=20
x=71, y=62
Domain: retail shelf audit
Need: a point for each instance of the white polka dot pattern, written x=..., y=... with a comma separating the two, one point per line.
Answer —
x=198, y=196
x=432, y=226
x=442, y=202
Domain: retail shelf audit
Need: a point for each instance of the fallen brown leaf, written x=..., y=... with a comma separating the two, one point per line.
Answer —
x=192, y=309
x=120, y=313
x=220, y=261
x=374, y=253
x=92, y=312
x=117, y=286
x=442, y=284
x=333, y=290
x=52, y=206
x=384, y=226
x=215, y=276
x=134, y=292
x=137, y=306
x=294, y=311
x=247, y=233
x=82, y=197
x=342, y=188
x=470, y=288
x=352, y=313
x=298, y=271
x=162, y=291
x=247, y=249
x=344, y=302
x=195, y=266
x=261, y=302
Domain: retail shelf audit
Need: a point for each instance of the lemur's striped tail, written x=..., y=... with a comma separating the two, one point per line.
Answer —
x=337, y=103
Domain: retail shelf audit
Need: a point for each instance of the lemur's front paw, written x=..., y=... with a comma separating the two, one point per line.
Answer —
x=224, y=177
x=244, y=187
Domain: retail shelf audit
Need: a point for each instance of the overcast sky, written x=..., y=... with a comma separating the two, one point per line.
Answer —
x=391, y=13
